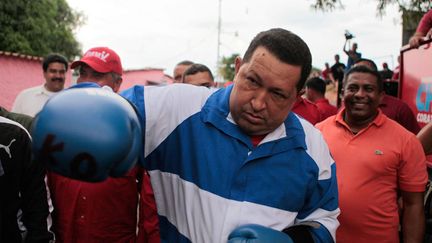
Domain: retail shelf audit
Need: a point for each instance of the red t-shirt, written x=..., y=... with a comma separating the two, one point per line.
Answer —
x=400, y=112
x=148, y=224
x=307, y=110
x=325, y=108
x=425, y=23
x=325, y=73
x=95, y=212
x=257, y=139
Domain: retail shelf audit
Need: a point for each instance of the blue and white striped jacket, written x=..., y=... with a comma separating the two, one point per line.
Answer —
x=208, y=179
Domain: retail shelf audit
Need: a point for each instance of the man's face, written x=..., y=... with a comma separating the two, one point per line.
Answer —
x=264, y=92
x=87, y=74
x=361, y=97
x=55, y=76
x=199, y=79
x=178, y=72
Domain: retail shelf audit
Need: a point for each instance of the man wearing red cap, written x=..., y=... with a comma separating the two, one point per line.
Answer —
x=100, y=65
x=105, y=211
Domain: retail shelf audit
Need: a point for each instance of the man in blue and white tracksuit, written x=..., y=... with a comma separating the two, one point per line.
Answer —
x=238, y=156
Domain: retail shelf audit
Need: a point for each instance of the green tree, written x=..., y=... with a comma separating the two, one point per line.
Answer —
x=39, y=27
x=226, y=69
x=413, y=5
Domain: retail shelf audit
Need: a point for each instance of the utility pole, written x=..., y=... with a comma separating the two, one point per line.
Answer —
x=218, y=78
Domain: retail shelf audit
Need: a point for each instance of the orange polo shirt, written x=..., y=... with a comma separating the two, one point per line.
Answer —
x=371, y=166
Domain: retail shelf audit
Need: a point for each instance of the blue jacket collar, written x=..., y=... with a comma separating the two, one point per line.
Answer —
x=288, y=135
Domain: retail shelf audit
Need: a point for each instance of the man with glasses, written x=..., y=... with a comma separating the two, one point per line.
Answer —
x=31, y=101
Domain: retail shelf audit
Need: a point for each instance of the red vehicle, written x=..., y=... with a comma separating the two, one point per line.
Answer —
x=415, y=88
x=415, y=84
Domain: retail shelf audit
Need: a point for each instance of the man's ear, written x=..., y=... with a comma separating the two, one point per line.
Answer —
x=301, y=92
x=237, y=63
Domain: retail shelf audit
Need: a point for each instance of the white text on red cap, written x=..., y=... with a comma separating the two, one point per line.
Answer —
x=101, y=55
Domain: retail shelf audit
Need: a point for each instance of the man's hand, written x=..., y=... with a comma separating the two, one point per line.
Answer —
x=418, y=37
x=414, y=41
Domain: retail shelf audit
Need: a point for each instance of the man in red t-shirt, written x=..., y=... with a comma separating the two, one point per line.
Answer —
x=105, y=211
x=315, y=91
x=326, y=74
x=423, y=30
x=399, y=111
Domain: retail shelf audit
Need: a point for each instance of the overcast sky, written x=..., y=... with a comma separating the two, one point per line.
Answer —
x=161, y=33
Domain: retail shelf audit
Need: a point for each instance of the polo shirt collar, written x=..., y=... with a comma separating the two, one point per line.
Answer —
x=378, y=121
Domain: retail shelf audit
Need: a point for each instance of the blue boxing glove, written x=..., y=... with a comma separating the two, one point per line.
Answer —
x=253, y=233
x=87, y=134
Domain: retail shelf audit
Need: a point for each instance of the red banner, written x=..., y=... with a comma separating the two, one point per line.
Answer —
x=416, y=81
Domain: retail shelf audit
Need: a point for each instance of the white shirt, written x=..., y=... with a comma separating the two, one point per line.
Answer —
x=30, y=101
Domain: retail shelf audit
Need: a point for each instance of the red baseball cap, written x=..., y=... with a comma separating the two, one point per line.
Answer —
x=101, y=59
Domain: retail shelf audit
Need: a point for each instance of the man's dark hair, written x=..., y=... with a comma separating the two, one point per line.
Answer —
x=365, y=69
x=54, y=57
x=316, y=84
x=287, y=47
x=196, y=68
x=185, y=62
x=371, y=63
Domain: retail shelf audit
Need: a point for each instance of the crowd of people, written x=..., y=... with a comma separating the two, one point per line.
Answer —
x=268, y=158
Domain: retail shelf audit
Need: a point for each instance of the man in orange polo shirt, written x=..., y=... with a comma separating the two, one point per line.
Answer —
x=375, y=157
